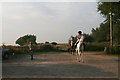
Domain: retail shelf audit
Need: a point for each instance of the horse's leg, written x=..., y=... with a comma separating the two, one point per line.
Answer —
x=79, y=55
x=82, y=53
x=79, y=51
x=76, y=51
x=82, y=56
x=71, y=51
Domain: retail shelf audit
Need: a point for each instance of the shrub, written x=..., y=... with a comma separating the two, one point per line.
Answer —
x=95, y=46
x=17, y=49
x=46, y=42
x=62, y=47
x=54, y=43
x=113, y=50
x=45, y=47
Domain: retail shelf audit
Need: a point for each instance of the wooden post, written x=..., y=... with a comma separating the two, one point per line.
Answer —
x=111, y=29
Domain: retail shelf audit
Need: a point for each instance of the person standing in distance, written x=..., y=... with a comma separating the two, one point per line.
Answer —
x=31, y=50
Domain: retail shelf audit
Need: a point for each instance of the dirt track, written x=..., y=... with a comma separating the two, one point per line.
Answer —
x=61, y=65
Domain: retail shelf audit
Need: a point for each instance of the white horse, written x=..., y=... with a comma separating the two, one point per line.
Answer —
x=80, y=49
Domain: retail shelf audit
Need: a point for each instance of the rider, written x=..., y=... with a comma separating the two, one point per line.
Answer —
x=80, y=37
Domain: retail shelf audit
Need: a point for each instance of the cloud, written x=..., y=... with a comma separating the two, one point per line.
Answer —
x=48, y=21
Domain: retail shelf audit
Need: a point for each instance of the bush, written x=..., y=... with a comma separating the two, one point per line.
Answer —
x=95, y=46
x=45, y=47
x=62, y=47
x=17, y=49
x=50, y=47
x=46, y=42
x=54, y=43
x=113, y=50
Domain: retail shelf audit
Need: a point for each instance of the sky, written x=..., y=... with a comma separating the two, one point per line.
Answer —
x=49, y=21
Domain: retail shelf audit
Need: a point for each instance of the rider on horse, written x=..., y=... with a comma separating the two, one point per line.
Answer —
x=80, y=37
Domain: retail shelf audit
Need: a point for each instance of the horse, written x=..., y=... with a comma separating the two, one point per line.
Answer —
x=79, y=50
x=72, y=44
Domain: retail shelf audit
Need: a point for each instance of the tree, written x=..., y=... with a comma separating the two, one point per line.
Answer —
x=88, y=38
x=114, y=7
x=46, y=42
x=106, y=7
x=54, y=43
x=101, y=34
x=24, y=40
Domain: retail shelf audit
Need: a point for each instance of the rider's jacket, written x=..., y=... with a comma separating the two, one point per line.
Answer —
x=80, y=38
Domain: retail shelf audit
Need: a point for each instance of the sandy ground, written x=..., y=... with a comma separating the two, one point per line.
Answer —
x=61, y=65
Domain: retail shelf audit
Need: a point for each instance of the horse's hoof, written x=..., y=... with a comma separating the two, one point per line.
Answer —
x=79, y=61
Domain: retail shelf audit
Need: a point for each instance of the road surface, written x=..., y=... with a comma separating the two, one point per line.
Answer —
x=61, y=65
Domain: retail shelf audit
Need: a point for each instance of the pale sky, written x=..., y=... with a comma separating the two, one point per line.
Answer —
x=49, y=21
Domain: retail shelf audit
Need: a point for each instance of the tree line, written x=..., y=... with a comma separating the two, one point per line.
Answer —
x=102, y=33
